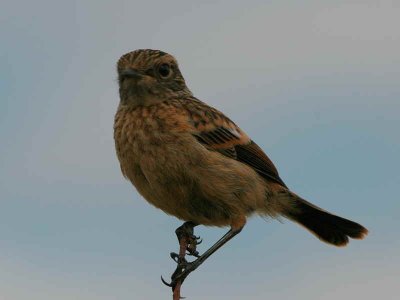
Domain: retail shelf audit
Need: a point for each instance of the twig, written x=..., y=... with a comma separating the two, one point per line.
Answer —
x=183, y=244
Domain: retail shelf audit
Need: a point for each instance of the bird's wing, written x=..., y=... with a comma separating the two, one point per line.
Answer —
x=217, y=133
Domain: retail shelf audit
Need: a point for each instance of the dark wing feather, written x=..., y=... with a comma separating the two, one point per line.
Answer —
x=252, y=155
x=218, y=133
x=233, y=143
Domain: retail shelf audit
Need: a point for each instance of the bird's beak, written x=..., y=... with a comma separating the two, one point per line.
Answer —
x=131, y=73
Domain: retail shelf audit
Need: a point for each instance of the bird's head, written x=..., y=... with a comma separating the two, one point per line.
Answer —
x=148, y=76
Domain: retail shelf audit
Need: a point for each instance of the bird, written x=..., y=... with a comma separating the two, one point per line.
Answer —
x=193, y=162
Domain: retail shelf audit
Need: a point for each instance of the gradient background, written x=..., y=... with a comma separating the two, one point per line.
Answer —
x=315, y=83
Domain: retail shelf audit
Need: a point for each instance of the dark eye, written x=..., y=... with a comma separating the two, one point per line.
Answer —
x=164, y=70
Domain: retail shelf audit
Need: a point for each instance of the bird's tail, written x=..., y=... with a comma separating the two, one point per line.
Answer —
x=324, y=225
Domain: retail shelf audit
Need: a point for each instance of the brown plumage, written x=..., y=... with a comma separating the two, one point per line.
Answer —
x=194, y=163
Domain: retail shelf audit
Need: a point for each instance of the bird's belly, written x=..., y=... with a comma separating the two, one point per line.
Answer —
x=184, y=179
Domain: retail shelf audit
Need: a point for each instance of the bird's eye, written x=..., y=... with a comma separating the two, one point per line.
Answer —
x=164, y=70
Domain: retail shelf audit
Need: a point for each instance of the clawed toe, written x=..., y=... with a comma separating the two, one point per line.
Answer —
x=182, y=270
x=195, y=240
x=176, y=258
x=192, y=242
x=166, y=283
x=192, y=247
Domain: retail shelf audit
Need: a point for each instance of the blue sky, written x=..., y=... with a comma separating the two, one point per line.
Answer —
x=316, y=84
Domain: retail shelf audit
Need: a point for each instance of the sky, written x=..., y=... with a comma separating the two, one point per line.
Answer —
x=315, y=83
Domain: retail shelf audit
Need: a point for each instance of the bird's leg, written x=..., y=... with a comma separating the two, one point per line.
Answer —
x=184, y=268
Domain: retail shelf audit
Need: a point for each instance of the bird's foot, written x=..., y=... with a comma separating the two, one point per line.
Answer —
x=183, y=269
x=187, y=246
x=185, y=234
x=192, y=243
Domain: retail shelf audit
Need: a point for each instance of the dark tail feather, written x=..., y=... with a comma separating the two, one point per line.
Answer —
x=327, y=227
